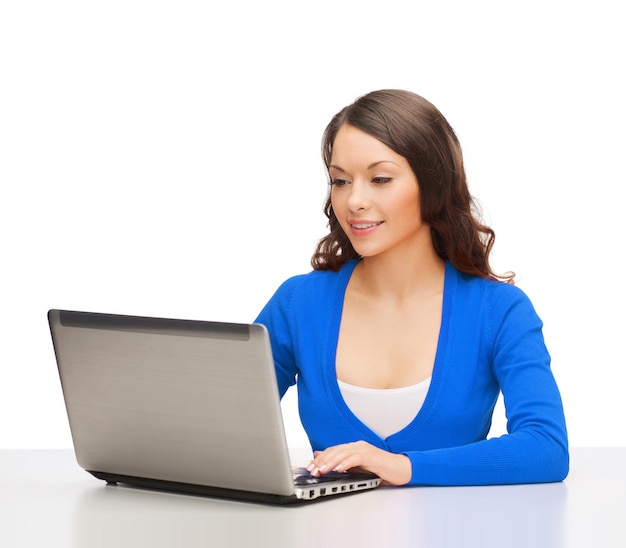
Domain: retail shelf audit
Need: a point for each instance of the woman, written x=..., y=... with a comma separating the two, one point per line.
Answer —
x=402, y=337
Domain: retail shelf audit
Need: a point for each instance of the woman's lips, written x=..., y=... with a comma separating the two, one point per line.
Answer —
x=362, y=228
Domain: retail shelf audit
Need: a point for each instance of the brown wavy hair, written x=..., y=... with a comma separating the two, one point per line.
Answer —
x=414, y=128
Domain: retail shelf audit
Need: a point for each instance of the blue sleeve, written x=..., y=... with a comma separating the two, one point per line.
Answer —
x=535, y=449
x=276, y=317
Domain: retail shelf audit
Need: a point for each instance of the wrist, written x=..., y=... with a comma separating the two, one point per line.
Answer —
x=404, y=470
x=396, y=470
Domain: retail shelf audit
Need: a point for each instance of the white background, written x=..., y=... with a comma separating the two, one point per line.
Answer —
x=162, y=158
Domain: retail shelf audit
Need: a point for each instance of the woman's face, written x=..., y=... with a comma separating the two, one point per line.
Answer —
x=375, y=195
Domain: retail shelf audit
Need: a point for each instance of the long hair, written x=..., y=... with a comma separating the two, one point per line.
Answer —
x=414, y=128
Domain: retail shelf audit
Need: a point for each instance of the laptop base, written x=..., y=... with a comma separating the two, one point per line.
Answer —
x=114, y=480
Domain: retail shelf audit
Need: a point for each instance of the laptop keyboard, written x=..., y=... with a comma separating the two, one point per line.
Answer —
x=301, y=476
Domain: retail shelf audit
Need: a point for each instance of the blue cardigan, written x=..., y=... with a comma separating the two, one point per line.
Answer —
x=490, y=341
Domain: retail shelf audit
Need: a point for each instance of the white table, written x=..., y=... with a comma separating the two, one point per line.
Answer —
x=46, y=501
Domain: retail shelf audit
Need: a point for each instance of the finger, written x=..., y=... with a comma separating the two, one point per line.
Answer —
x=339, y=458
x=322, y=461
x=346, y=462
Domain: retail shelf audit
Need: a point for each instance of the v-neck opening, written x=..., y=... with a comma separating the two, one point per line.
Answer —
x=438, y=364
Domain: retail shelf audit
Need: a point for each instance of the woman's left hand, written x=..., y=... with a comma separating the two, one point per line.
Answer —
x=392, y=468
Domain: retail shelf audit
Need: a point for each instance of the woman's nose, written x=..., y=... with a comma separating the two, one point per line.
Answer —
x=359, y=196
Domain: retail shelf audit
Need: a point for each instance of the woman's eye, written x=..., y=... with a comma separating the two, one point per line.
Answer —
x=339, y=182
x=381, y=180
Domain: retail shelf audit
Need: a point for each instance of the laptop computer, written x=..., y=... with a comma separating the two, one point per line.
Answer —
x=181, y=405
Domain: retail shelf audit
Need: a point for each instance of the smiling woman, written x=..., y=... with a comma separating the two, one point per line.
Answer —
x=413, y=130
x=402, y=338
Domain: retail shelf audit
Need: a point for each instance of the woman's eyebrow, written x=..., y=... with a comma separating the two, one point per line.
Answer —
x=371, y=166
x=375, y=164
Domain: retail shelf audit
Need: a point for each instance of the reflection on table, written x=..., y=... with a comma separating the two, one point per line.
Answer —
x=47, y=500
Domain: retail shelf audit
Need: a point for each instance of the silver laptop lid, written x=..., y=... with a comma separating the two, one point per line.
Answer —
x=174, y=400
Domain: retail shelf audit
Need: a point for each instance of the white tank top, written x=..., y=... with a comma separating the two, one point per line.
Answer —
x=385, y=411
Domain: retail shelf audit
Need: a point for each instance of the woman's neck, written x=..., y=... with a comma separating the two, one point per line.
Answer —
x=398, y=277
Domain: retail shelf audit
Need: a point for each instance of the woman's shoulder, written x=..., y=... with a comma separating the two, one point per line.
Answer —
x=499, y=293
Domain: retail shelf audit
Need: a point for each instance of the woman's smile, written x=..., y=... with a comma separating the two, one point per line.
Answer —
x=363, y=228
